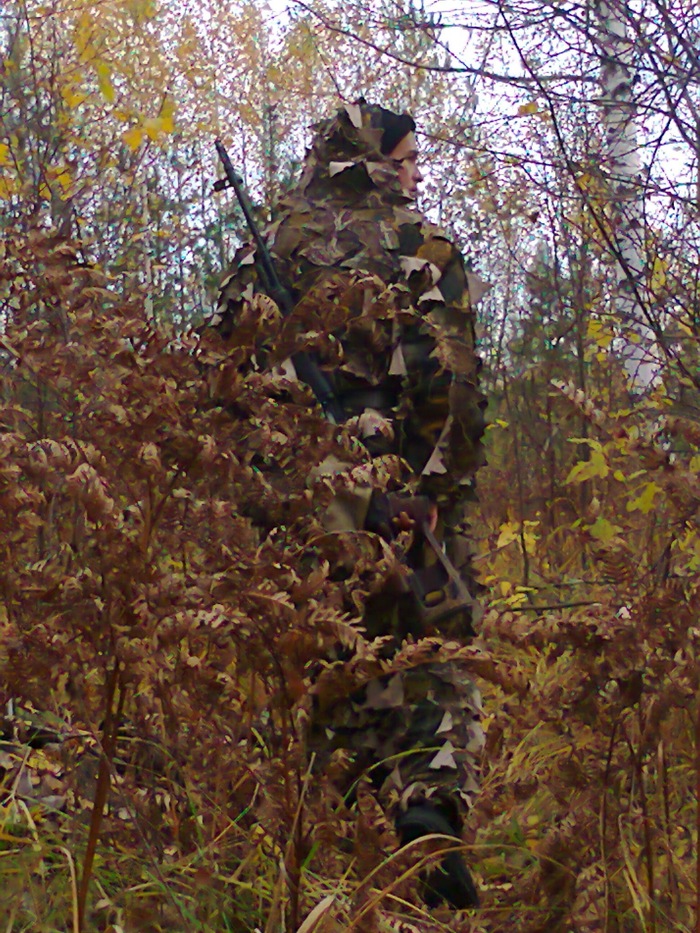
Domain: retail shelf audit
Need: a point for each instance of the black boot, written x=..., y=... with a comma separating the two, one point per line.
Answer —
x=451, y=880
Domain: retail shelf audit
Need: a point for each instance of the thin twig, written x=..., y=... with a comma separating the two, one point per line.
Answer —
x=74, y=888
x=109, y=741
x=646, y=822
x=697, y=820
x=553, y=606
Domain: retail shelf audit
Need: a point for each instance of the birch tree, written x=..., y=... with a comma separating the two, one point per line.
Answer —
x=639, y=351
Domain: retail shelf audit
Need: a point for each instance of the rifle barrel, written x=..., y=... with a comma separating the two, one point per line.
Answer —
x=307, y=370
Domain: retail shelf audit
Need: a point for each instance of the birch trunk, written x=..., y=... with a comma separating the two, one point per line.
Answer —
x=638, y=349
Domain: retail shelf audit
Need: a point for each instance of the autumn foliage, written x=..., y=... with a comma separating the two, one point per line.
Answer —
x=138, y=587
x=169, y=604
x=594, y=794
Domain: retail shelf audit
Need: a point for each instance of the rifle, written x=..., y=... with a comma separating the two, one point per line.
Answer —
x=309, y=372
x=306, y=368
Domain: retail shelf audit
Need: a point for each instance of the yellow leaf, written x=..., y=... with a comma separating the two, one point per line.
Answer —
x=7, y=188
x=508, y=533
x=83, y=37
x=516, y=599
x=496, y=424
x=526, y=109
x=71, y=96
x=142, y=10
x=597, y=331
x=4, y=154
x=658, y=275
x=157, y=125
x=529, y=540
x=589, y=469
x=152, y=127
x=168, y=107
x=603, y=530
x=645, y=501
x=133, y=137
x=64, y=179
x=104, y=81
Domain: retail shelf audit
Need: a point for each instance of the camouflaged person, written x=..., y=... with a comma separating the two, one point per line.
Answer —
x=407, y=384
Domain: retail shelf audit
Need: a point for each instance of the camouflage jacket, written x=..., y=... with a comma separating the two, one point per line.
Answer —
x=381, y=299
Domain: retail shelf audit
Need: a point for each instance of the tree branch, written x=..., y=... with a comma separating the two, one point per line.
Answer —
x=512, y=81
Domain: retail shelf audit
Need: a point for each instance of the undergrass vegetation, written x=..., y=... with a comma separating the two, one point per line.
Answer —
x=168, y=601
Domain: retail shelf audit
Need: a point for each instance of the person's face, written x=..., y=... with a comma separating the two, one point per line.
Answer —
x=407, y=154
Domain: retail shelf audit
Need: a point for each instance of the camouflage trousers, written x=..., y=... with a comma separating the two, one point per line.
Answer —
x=415, y=733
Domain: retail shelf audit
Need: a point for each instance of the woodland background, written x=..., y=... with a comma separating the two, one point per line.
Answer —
x=155, y=654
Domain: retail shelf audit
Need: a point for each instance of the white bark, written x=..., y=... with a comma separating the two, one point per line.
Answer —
x=638, y=349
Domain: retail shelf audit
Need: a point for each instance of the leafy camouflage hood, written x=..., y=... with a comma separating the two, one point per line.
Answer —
x=345, y=161
x=379, y=293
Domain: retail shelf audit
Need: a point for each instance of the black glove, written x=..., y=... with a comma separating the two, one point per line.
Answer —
x=391, y=512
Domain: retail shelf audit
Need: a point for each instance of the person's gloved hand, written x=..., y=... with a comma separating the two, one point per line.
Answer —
x=392, y=512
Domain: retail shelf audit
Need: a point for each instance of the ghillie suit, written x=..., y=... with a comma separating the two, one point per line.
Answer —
x=381, y=299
